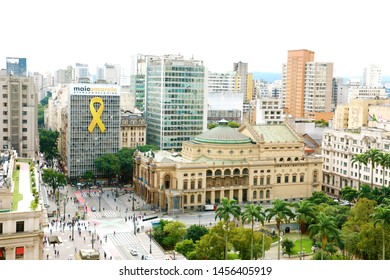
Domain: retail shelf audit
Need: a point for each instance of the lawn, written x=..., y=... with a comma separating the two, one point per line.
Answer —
x=16, y=197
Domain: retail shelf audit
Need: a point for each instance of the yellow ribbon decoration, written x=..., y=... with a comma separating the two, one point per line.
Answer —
x=96, y=114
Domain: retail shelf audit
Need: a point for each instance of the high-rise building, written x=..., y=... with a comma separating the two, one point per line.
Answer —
x=81, y=73
x=93, y=126
x=295, y=81
x=307, y=86
x=16, y=66
x=137, y=79
x=18, y=114
x=372, y=76
x=175, y=100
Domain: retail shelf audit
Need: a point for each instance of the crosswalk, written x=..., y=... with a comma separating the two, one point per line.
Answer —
x=87, y=194
x=103, y=214
x=123, y=238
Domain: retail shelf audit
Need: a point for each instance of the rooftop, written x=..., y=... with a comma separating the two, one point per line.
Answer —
x=276, y=133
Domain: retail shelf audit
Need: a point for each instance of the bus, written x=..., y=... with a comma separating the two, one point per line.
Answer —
x=209, y=207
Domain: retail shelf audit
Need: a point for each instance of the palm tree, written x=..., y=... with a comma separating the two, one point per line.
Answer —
x=225, y=210
x=382, y=216
x=326, y=228
x=359, y=159
x=251, y=214
x=372, y=157
x=383, y=160
x=305, y=212
x=282, y=213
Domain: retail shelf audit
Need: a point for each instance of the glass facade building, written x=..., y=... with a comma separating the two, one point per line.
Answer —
x=93, y=126
x=175, y=100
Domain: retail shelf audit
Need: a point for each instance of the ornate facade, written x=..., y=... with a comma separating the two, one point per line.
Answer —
x=252, y=164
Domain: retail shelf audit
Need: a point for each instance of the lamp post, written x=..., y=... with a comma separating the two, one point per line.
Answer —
x=199, y=216
x=64, y=207
x=132, y=208
x=135, y=230
x=73, y=222
x=150, y=238
x=100, y=199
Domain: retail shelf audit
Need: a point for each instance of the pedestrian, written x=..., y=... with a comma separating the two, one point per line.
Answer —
x=47, y=256
x=114, y=232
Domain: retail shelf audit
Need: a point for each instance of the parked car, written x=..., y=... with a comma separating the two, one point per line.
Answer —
x=93, y=209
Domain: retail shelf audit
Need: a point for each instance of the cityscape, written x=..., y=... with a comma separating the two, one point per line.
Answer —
x=175, y=162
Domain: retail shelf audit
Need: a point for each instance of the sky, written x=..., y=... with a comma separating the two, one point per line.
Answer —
x=55, y=34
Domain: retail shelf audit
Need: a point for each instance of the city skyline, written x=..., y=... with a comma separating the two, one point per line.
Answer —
x=218, y=33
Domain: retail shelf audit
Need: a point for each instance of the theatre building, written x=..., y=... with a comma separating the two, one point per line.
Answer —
x=252, y=164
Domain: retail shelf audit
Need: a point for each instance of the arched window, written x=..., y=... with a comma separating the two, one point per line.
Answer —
x=315, y=176
x=227, y=172
x=245, y=171
x=261, y=194
x=199, y=198
x=236, y=171
x=254, y=194
x=185, y=199
x=302, y=178
x=199, y=183
x=192, y=199
x=192, y=184
x=267, y=194
x=209, y=173
x=218, y=172
x=281, y=159
x=185, y=184
x=167, y=180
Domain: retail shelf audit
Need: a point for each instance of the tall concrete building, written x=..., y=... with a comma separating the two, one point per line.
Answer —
x=307, y=86
x=93, y=127
x=137, y=79
x=372, y=76
x=16, y=66
x=81, y=73
x=18, y=114
x=295, y=81
x=175, y=100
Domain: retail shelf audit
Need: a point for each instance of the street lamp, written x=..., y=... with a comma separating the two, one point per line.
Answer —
x=64, y=207
x=135, y=230
x=199, y=216
x=100, y=199
x=150, y=238
x=133, y=202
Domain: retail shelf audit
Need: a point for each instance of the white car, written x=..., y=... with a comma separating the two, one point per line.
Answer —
x=148, y=257
x=134, y=252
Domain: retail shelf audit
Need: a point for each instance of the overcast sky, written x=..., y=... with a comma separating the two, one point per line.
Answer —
x=55, y=34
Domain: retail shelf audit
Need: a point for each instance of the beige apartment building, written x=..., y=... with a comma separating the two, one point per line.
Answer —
x=133, y=130
x=21, y=229
x=18, y=115
x=254, y=164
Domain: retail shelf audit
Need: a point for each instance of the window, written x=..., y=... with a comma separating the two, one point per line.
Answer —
x=286, y=178
x=199, y=198
x=294, y=178
x=185, y=184
x=302, y=178
x=19, y=252
x=255, y=181
x=192, y=199
x=192, y=184
x=199, y=184
x=20, y=226
x=185, y=199
x=24, y=129
x=254, y=194
x=278, y=179
x=1, y=228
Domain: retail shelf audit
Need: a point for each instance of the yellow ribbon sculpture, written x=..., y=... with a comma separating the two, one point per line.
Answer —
x=96, y=114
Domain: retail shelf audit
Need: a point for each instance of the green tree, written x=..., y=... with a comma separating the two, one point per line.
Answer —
x=233, y=124
x=195, y=232
x=185, y=247
x=320, y=197
x=383, y=159
x=41, y=116
x=288, y=244
x=54, y=179
x=125, y=156
x=372, y=156
x=227, y=209
x=304, y=213
x=359, y=159
x=211, y=125
x=48, y=144
x=281, y=211
x=251, y=214
x=242, y=238
x=108, y=164
x=382, y=216
x=211, y=246
x=325, y=228
x=349, y=193
x=174, y=232
x=147, y=148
